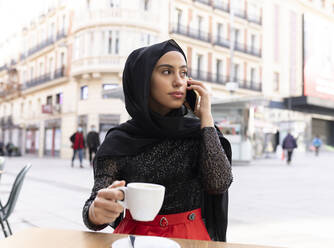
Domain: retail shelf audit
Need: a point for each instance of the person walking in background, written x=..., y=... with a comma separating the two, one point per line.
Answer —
x=78, y=145
x=9, y=148
x=93, y=142
x=317, y=144
x=289, y=143
x=2, y=146
x=276, y=140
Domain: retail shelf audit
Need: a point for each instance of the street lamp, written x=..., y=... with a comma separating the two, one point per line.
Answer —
x=231, y=85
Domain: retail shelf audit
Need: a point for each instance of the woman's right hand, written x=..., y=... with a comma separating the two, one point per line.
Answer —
x=105, y=208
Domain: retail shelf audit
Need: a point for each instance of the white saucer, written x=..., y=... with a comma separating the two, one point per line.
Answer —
x=146, y=242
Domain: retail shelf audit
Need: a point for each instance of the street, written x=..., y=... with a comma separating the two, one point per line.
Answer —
x=271, y=203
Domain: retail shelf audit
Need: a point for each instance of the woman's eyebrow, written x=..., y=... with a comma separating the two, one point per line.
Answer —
x=170, y=66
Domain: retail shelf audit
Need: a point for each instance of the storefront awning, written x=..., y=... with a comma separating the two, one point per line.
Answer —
x=309, y=104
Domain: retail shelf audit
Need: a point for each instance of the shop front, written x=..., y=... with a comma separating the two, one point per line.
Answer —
x=52, y=138
x=32, y=139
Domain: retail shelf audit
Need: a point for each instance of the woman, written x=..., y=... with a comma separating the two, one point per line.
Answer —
x=189, y=156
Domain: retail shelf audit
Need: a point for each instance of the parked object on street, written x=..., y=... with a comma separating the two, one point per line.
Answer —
x=9, y=148
x=289, y=144
x=93, y=142
x=317, y=143
x=7, y=209
x=78, y=145
x=2, y=148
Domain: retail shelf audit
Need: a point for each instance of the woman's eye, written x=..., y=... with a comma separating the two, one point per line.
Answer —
x=166, y=72
x=184, y=73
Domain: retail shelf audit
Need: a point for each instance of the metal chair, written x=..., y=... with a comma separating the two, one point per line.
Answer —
x=7, y=209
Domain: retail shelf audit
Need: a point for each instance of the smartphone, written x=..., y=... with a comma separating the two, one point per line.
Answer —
x=191, y=99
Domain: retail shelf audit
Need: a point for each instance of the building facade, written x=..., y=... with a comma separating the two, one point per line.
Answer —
x=69, y=66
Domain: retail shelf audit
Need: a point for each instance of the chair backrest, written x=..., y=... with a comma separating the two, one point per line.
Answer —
x=14, y=193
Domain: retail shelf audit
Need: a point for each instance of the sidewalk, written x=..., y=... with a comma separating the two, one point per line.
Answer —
x=271, y=203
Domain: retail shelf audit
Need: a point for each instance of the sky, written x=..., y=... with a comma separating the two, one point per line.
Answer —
x=14, y=14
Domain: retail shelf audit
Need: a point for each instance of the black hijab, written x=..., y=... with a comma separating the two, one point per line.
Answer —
x=147, y=128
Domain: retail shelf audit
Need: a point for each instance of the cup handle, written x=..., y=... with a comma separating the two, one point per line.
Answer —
x=123, y=203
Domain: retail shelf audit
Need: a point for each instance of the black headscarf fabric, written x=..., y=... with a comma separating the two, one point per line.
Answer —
x=147, y=128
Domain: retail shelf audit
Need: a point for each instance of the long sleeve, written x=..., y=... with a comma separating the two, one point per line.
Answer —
x=214, y=165
x=105, y=172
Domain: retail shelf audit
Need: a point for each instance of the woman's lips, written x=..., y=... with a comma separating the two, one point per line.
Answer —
x=177, y=95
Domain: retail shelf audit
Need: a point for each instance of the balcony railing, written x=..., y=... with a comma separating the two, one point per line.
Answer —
x=240, y=13
x=60, y=72
x=207, y=2
x=3, y=67
x=255, y=19
x=60, y=34
x=41, y=46
x=222, y=79
x=247, y=49
x=224, y=6
x=192, y=33
x=220, y=41
x=221, y=6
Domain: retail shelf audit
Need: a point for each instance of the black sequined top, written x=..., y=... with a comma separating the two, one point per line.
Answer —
x=185, y=167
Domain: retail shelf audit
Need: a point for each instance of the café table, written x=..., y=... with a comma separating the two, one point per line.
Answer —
x=61, y=238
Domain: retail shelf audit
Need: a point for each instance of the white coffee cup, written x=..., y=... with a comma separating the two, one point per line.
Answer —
x=144, y=200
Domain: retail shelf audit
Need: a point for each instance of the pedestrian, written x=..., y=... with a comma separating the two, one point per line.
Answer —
x=9, y=148
x=187, y=155
x=78, y=145
x=316, y=144
x=93, y=142
x=276, y=140
x=289, y=144
x=2, y=147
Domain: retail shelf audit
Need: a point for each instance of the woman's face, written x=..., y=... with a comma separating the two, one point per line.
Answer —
x=168, y=83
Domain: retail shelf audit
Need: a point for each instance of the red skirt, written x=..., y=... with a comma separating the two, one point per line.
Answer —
x=186, y=225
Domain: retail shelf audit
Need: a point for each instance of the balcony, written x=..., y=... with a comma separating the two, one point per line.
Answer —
x=247, y=49
x=222, y=79
x=255, y=19
x=3, y=67
x=220, y=41
x=249, y=85
x=117, y=16
x=109, y=63
x=221, y=6
x=60, y=34
x=60, y=72
x=192, y=33
x=240, y=13
x=207, y=2
x=41, y=46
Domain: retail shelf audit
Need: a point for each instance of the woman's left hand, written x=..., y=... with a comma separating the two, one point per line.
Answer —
x=203, y=109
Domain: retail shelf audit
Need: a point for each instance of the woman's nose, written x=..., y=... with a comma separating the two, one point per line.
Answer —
x=179, y=81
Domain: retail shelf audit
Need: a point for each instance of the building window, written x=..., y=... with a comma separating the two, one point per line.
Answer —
x=179, y=19
x=199, y=65
x=236, y=73
x=146, y=4
x=114, y=3
x=219, y=66
x=107, y=90
x=276, y=82
x=59, y=98
x=236, y=36
x=62, y=59
x=49, y=100
x=253, y=42
x=219, y=31
x=117, y=42
x=110, y=42
x=252, y=76
x=84, y=92
x=199, y=24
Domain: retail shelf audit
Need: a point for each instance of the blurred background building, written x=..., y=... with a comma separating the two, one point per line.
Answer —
x=64, y=69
